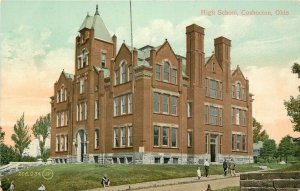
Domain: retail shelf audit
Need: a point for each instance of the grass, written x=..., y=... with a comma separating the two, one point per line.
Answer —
x=87, y=176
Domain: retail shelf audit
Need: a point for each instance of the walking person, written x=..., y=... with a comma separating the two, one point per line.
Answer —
x=12, y=186
x=225, y=167
x=232, y=168
x=198, y=173
x=42, y=188
x=206, y=166
x=228, y=167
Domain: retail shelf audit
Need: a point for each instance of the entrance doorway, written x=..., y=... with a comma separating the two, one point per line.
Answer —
x=81, y=145
x=213, y=148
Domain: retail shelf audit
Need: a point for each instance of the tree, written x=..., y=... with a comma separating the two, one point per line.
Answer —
x=8, y=154
x=269, y=149
x=293, y=105
x=2, y=134
x=286, y=147
x=259, y=135
x=41, y=131
x=21, y=135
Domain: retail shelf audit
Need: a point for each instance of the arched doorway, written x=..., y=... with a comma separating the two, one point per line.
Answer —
x=213, y=147
x=81, y=145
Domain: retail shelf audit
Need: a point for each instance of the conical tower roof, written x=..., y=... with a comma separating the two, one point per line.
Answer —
x=95, y=22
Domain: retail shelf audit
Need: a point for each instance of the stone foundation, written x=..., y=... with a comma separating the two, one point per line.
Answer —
x=150, y=158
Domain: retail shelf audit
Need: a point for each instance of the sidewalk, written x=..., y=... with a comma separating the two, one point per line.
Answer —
x=162, y=183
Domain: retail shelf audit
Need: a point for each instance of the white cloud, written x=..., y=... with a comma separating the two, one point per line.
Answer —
x=271, y=86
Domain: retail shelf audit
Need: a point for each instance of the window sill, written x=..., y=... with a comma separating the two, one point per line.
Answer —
x=122, y=147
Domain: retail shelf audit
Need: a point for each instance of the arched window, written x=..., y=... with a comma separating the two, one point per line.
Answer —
x=166, y=71
x=122, y=73
x=238, y=90
x=62, y=94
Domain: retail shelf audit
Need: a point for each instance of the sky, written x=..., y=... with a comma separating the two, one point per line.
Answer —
x=37, y=43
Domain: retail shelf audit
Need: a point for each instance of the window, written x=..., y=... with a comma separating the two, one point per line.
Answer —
x=85, y=111
x=80, y=112
x=213, y=112
x=84, y=55
x=243, y=117
x=174, y=105
x=123, y=104
x=174, y=76
x=62, y=118
x=62, y=94
x=244, y=143
x=66, y=142
x=57, y=96
x=130, y=142
x=156, y=136
x=157, y=72
x=97, y=109
x=97, y=141
x=103, y=60
x=62, y=143
x=123, y=73
x=244, y=94
x=220, y=90
x=174, y=137
x=206, y=114
x=66, y=118
x=166, y=71
x=213, y=88
x=233, y=142
x=117, y=77
x=220, y=117
x=237, y=116
x=165, y=103
x=81, y=88
x=206, y=143
x=130, y=73
x=238, y=142
x=129, y=103
x=165, y=136
x=232, y=91
x=57, y=144
x=116, y=137
x=189, y=109
x=65, y=99
x=156, y=102
x=238, y=91
x=123, y=136
x=57, y=120
x=116, y=106
x=206, y=86
x=221, y=143
x=189, y=138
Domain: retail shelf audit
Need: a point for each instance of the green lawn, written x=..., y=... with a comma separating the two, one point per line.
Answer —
x=75, y=177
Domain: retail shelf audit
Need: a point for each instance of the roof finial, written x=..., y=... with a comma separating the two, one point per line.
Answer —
x=97, y=13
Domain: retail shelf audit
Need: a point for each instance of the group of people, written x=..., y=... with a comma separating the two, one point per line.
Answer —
x=228, y=166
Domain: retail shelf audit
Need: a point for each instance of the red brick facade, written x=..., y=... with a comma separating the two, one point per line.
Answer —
x=160, y=108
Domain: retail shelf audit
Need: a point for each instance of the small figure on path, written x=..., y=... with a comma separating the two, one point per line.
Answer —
x=42, y=188
x=105, y=181
x=206, y=166
x=228, y=167
x=198, y=173
x=208, y=188
x=232, y=168
x=225, y=167
x=12, y=186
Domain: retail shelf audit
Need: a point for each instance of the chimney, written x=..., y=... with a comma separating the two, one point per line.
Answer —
x=114, y=39
x=195, y=53
x=222, y=50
